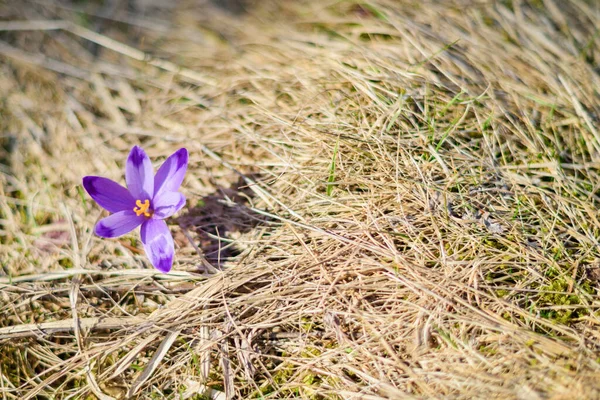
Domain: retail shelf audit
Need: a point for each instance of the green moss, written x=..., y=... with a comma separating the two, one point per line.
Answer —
x=487, y=350
x=66, y=263
x=557, y=294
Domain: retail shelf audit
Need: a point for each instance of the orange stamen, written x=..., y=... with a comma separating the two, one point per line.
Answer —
x=142, y=208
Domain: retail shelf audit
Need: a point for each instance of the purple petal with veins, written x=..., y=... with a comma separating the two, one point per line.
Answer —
x=158, y=244
x=118, y=224
x=167, y=203
x=108, y=194
x=171, y=172
x=139, y=174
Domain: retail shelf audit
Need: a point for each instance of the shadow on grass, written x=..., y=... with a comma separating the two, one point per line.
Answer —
x=218, y=218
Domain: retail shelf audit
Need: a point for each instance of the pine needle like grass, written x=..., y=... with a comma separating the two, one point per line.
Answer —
x=385, y=199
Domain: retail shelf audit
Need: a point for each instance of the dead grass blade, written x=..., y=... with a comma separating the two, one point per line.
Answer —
x=154, y=362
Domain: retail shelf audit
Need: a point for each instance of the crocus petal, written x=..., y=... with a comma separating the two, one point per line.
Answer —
x=158, y=244
x=108, y=194
x=118, y=224
x=139, y=174
x=167, y=203
x=171, y=172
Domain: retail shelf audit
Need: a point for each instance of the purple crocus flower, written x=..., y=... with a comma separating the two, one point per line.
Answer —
x=148, y=200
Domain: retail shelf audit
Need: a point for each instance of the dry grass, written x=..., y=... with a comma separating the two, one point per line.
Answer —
x=386, y=199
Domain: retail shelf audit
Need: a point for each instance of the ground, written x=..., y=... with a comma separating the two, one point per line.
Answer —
x=385, y=199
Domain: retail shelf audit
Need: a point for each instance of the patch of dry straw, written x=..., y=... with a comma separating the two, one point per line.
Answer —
x=386, y=199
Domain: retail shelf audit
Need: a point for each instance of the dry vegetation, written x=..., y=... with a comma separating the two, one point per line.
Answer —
x=386, y=199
